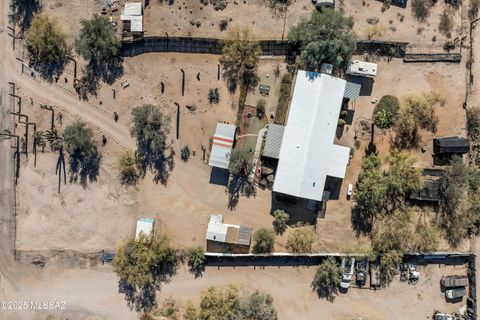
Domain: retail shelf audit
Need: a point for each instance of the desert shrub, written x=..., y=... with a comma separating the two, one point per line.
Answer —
x=261, y=105
x=196, y=260
x=223, y=24
x=421, y=9
x=283, y=99
x=327, y=278
x=375, y=31
x=240, y=163
x=473, y=122
x=280, y=222
x=213, y=95
x=190, y=312
x=373, y=20
x=341, y=122
x=264, y=240
x=386, y=112
x=127, y=164
x=300, y=240
x=258, y=306
x=448, y=46
x=474, y=6
x=185, y=153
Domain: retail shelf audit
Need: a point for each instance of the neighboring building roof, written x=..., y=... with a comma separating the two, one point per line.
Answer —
x=445, y=145
x=362, y=68
x=432, y=188
x=222, y=145
x=273, y=141
x=132, y=9
x=352, y=90
x=227, y=233
x=307, y=154
x=145, y=226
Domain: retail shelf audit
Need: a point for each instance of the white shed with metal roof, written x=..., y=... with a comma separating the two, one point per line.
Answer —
x=222, y=145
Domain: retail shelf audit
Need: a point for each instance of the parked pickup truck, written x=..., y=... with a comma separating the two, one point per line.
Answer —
x=454, y=281
x=347, y=269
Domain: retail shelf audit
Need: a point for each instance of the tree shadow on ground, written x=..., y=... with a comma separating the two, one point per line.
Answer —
x=197, y=270
x=49, y=71
x=84, y=169
x=106, y=71
x=161, y=164
x=237, y=186
x=362, y=223
x=328, y=293
x=22, y=12
x=144, y=298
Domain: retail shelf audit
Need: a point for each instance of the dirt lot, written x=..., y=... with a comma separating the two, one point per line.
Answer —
x=399, y=24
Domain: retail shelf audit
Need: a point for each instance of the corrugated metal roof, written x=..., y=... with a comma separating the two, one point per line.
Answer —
x=352, y=90
x=307, y=154
x=273, y=141
x=132, y=9
x=222, y=145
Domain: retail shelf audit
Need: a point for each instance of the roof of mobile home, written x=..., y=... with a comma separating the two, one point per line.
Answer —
x=145, y=226
x=222, y=145
x=308, y=154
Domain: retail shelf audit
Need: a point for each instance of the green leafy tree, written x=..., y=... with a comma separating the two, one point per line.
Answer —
x=219, y=303
x=196, y=260
x=150, y=128
x=406, y=131
x=84, y=158
x=327, y=279
x=127, y=164
x=460, y=202
x=46, y=44
x=327, y=37
x=264, y=240
x=426, y=238
x=258, y=306
x=97, y=41
x=280, y=222
x=239, y=162
x=240, y=56
x=386, y=112
x=301, y=240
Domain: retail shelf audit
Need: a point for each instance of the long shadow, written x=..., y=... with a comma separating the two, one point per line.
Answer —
x=84, y=168
x=49, y=70
x=362, y=223
x=219, y=176
x=239, y=185
x=160, y=163
x=107, y=71
x=22, y=12
x=327, y=292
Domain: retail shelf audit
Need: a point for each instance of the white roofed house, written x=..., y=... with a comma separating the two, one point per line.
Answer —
x=222, y=145
x=307, y=153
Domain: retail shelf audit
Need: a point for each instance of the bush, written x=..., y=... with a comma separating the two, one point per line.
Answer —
x=280, y=222
x=264, y=240
x=301, y=241
x=240, y=163
x=196, y=260
x=261, y=105
x=327, y=278
x=283, y=99
x=386, y=112
x=185, y=153
x=127, y=164
x=223, y=24
x=341, y=122
x=421, y=9
x=213, y=96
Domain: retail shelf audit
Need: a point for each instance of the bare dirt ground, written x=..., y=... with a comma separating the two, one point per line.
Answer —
x=399, y=24
x=254, y=14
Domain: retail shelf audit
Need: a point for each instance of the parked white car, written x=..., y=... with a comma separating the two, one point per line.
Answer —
x=347, y=268
x=349, y=190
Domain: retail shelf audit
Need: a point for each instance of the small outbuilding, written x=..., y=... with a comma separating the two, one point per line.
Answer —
x=362, y=68
x=132, y=18
x=450, y=145
x=222, y=145
x=145, y=226
x=431, y=191
x=227, y=238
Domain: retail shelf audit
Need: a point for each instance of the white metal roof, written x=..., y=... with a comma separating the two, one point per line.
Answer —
x=132, y=9
x=216, y=230
x=307, y=154
x=145, y=226
x=362, y=68
x=222, y=145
